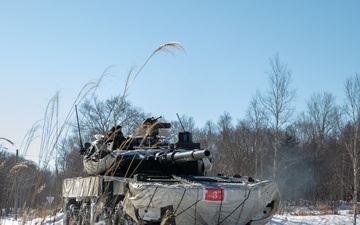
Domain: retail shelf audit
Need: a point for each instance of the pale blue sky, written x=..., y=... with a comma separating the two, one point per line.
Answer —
x=46, y=46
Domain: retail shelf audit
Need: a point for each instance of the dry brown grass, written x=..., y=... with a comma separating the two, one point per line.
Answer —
x=5, y=139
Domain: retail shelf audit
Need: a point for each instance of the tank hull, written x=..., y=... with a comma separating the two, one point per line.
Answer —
x=177, y=200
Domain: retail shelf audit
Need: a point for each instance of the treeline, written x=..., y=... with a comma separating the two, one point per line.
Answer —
x=23, y=182
x=313, y=156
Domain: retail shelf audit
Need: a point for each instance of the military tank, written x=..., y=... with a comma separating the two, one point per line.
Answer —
x=145, y=179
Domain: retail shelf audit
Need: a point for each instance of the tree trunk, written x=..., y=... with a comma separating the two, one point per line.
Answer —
x=276, y=140
x=355, y=193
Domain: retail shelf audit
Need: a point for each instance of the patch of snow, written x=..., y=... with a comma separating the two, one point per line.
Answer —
x=313, y=220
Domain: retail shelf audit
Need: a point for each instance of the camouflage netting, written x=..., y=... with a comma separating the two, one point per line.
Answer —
x=195, y=204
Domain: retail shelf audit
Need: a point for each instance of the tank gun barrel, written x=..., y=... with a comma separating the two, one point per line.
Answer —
x=179, y=157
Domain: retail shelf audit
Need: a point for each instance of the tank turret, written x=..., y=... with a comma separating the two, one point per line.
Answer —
x=148, y=153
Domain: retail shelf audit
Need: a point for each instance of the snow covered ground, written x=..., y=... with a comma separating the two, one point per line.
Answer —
x=341, y=219
x=47, y=221
x=314, y=220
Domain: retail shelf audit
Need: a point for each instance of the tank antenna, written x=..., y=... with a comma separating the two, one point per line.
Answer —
x=77, y=118
x=180, y=122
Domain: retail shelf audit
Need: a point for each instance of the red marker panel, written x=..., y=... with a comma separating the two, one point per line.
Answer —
x=214, y=194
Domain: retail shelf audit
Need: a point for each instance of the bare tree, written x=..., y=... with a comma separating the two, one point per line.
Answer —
x=323, y=115
x=352, y=111
x=69, y=158
x=208, y=136
x=185, y=123
x=256, y=119
x=227, y=157
x=277, y=101
x=97, y=116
